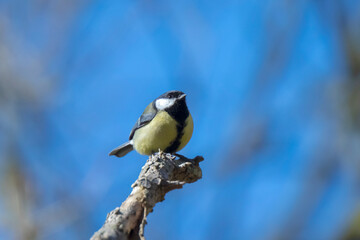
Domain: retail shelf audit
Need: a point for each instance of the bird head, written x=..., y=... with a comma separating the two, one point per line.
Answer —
x=169, y=100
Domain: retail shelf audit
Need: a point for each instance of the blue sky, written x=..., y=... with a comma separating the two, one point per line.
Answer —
x=265, y=83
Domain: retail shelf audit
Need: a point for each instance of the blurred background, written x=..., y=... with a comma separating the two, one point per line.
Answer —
x=273, y=87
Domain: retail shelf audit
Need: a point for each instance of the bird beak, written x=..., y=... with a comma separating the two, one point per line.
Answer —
x=182, y=96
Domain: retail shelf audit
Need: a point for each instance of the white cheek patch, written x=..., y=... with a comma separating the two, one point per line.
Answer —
x=163, y=103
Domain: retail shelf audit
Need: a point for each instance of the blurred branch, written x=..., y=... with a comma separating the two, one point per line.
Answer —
x=353, y=232
x=20, y=197
x=161, y=174
x=349, y=35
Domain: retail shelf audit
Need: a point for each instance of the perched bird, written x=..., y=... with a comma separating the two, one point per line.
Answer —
x=165, y=125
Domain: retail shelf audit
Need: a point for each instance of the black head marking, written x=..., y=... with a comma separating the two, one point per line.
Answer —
x=171, y=94
x=178, y=110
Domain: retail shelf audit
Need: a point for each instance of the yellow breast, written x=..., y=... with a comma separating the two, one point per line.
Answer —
x=158, y=134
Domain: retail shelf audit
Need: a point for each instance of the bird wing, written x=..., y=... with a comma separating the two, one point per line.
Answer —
x=148, y=114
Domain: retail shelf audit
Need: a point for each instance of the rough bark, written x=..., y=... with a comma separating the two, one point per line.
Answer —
x=161, y=174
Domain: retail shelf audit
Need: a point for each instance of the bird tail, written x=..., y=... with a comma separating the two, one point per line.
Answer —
x=122, y=150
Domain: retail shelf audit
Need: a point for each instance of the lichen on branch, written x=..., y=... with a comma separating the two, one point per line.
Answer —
x=162, y=173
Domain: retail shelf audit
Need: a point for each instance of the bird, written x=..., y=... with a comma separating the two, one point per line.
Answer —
x=165, y=125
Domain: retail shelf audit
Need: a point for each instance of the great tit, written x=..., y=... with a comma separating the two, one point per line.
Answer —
x=165, y=125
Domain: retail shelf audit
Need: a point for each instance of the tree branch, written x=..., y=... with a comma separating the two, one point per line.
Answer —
x=161, y=174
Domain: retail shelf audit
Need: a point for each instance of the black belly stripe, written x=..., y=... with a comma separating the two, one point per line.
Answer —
x=180, y=113
x=176, y=143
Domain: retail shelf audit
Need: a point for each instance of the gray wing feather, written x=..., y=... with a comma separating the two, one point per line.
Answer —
x=148, y=115
x=122, y=150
